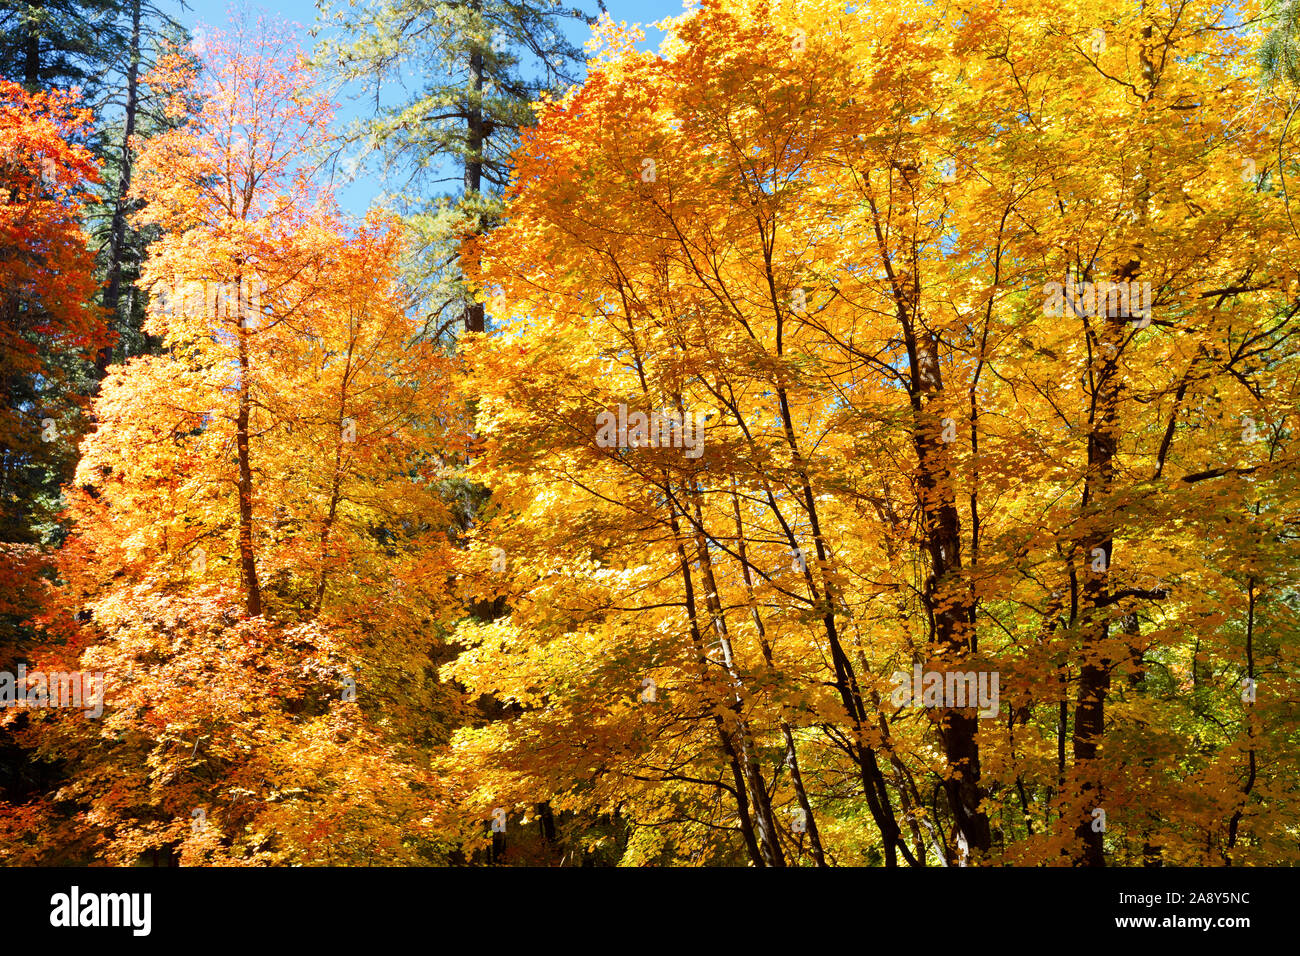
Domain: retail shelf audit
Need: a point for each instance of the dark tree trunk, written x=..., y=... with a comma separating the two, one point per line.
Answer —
x=32, y=48
x=117, y=232
x=950, y=605
x=1096, y=548
x=247, y=556
x=475, y=319
x=739, y=789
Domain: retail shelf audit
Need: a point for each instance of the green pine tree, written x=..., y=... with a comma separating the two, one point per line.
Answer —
x=453, y=82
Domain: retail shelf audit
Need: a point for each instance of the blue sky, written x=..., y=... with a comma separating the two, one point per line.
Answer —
x=355, y=198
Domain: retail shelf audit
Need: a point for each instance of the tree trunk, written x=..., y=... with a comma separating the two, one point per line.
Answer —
x=1094, y=670
x=1094, y=676
x=769, y=842
x=247, y=556
x=949, y=604
x=792, y=756
x=756, y=855
x=475, y=319
x=32, y=48
x=846, y=681
x=117, y=231
x=335, y=484
x=1252, y=766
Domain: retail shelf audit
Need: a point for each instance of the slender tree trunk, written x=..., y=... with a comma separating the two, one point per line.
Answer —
x=1096, y=551
x=741, y=780
x=1094, y=675
x=1136, y=682
x=475, y=319
x=32, y=48
x=724, y=737
x=846, y=681
x=792, y=756
x=117, y=231
x=336, y=483
x=547, y=819
x=325, y=532
x=247, y=556
x=949, y=604
x=1252, y=768
x=769, y=842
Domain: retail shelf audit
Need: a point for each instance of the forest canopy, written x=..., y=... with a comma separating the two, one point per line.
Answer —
x=841, y=436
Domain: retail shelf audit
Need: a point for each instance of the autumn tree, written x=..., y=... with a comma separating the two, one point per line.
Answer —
x=50, y=331
x=257, y=563
x=982, y=398
x=51, y=326
x=102, y=48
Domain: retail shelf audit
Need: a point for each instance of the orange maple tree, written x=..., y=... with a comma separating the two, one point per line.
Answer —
x=48, y=322
x=259, y=535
